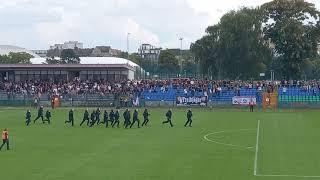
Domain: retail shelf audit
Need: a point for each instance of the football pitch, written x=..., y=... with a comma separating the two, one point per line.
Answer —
x=221, y=145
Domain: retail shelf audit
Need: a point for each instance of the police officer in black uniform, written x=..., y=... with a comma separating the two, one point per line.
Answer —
x=85, y=117
x=92, y=118
x=98, y=116
x=48, y=116
x=28, y=117
x=70, y=119
x=135, y=118
x=189, y=118
x=112, y=118
x=40, y=115
x=145, y=117
x=105, y=118
x=127, y=117
x=168, y=115
x=116, y=118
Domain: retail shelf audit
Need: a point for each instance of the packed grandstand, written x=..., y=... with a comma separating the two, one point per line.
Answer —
x=220, y=91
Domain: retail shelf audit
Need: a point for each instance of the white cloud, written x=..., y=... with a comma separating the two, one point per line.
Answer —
x=40, y=23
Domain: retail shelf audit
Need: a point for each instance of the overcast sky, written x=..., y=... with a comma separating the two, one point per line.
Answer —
x=37, y=24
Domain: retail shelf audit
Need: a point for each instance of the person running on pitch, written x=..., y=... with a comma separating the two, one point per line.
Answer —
x=116, y=118
x=28, y=117
x=98, y=113
x=135, y=118
x=70, y=118
x=85, y=118
x=189, y=118
x=5, y=139
x=112, y=118
x=48, y=116
x=92, y=118
x=127, y=117
x=145, y=117
x=105, y=118
x=40, y=115
x=168, y=115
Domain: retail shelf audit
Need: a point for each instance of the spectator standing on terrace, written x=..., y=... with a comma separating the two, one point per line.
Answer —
x=251, y=104
x=52, y=102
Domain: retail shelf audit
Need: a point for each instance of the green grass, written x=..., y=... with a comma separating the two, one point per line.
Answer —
x=288, y=145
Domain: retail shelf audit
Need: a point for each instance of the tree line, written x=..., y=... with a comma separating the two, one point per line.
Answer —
x=281, y=35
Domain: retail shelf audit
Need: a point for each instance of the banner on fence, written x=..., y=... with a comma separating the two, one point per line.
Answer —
x=243, y=100
x=192, y=101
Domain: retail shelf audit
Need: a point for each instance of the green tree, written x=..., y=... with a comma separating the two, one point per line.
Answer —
x=16, y=58
x=135, y=57
x=68, y=56
x=235, y=47
x=168, y=62
x=293, y=26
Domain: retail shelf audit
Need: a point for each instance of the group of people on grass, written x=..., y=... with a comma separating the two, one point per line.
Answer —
x=112, y=118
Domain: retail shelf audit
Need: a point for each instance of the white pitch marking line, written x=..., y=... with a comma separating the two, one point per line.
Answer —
x=226, y=144
x=297, y=176
x=257, y=151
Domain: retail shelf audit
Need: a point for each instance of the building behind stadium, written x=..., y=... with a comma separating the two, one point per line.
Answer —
x=90, y=68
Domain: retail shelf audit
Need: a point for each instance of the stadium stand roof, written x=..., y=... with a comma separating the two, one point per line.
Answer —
x=94, y=60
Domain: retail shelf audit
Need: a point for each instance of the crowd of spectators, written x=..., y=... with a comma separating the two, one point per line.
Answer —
x=137, y=87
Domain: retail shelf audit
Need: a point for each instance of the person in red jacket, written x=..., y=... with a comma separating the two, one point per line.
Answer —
x=5, y=139
x=251, y=105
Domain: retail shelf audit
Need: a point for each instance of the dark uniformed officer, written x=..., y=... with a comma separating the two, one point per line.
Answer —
x=116, y=118
x=98, y=116
x=105, y=118
x=28, y=117
x=111, y=116
x=145, y=117
x=48, y=116
x=168, y=115
x=85, y=118
x=127, y=117
x=189, y=118
x=93, y=118
x=135, y=118
x=70, y=118
x=40, y=115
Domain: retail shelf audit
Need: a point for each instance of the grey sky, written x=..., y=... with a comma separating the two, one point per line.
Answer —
x=37, y=24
